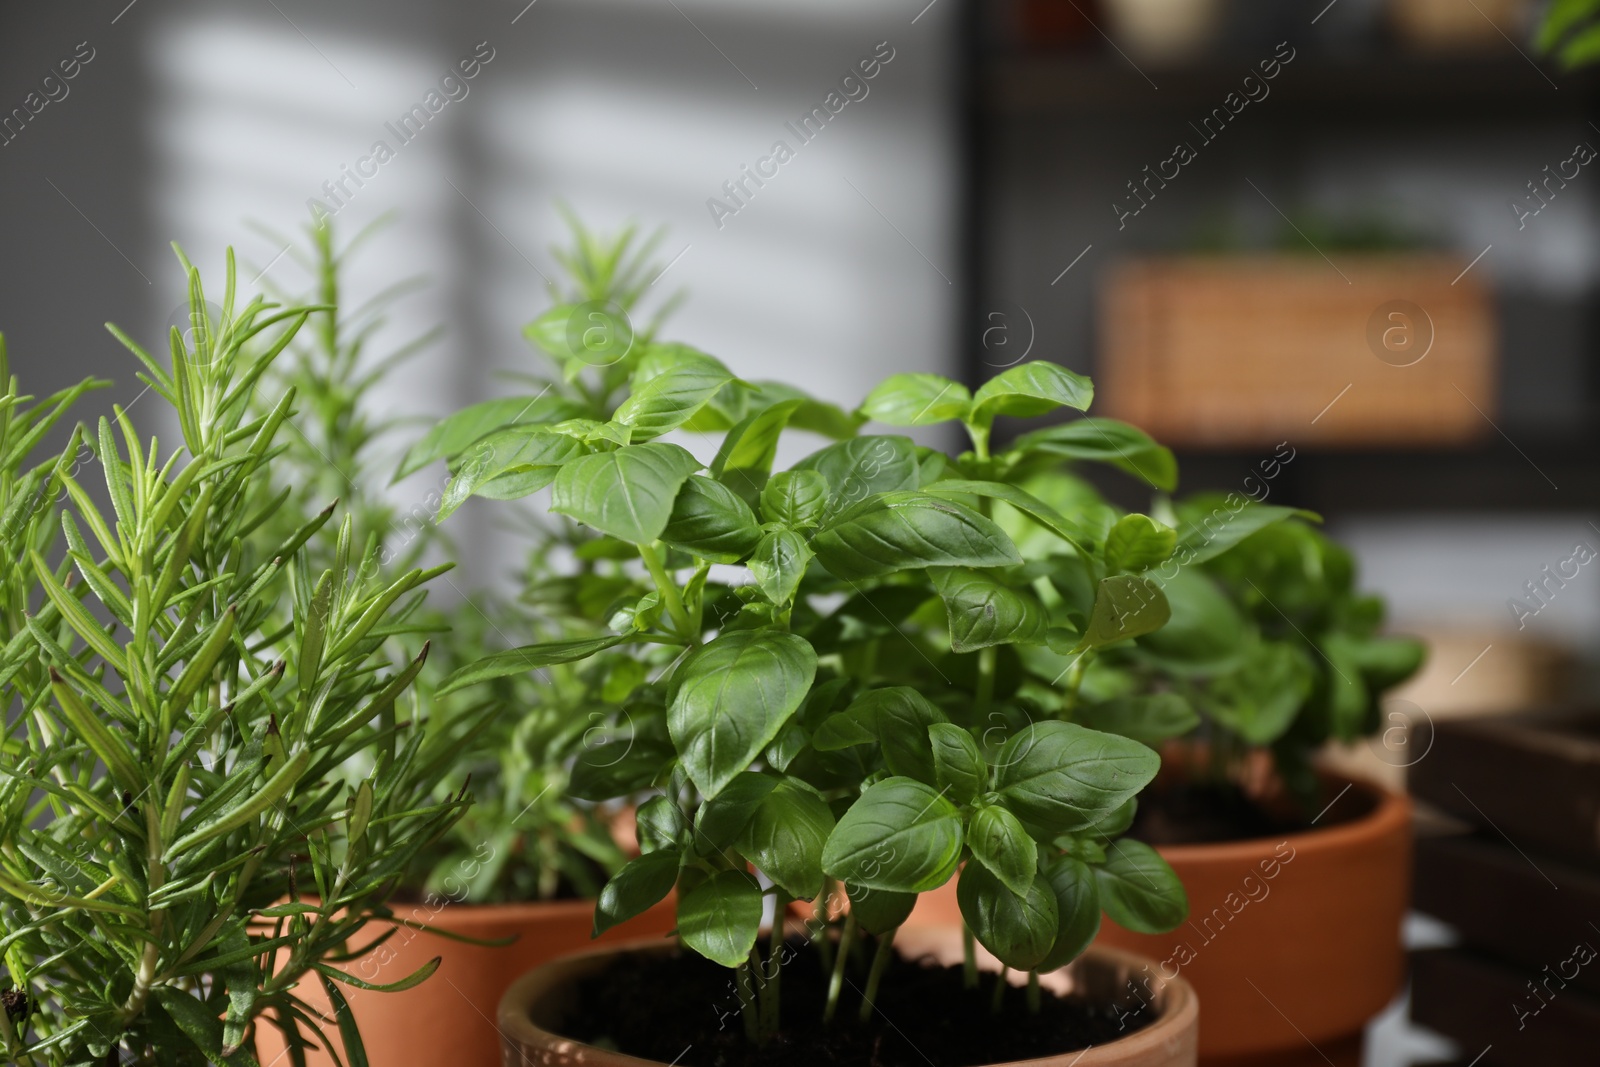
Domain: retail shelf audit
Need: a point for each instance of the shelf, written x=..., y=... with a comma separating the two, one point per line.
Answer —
x=1394, y=86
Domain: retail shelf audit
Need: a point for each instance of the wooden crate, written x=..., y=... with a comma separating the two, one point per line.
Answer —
x=1501, y=904
x=1252, y=350
x=1474, y=1001
x=1534, y=778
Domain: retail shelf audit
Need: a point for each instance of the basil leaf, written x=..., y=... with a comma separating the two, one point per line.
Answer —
x=711, y=521
x=916, y=400
x=795, y=498
x=1107, y=441
x=455, y=433
x=1205, y=632
x=661, y=825
x=1019, y=928
x=1077, y=910
x=1138, y=541
x=1124, y=606
x=521, y=450
x=861, y=467
x=670, y=397
x=1032, y=388
x=786, y=836
x=1203, y=539
x=1149, y=719
x=983, y=611
x=730, y=698
x=600, y=773
x=720, y=917
x=1064, y=777
x=723, y=818
x=628, y=493
x=899, y=835
x=636, y=888
x=999, y=842
x=878, y=911
x=958, y=767
x=1139, y=891
x=904, y=530
x=899, y=717
x=744, y=461
x=778, y=563
x=1259, y=700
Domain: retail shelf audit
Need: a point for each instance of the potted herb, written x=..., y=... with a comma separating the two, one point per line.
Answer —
x=513, y=883
x=1297, y=879
x=833, y=704
x=210, y=774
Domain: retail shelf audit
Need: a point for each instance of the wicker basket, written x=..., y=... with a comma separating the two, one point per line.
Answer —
x=1251, y=350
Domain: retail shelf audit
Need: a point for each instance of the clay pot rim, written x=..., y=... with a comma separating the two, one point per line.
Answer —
x=456, y=915
x=1391, y=813
x=1180, y=1010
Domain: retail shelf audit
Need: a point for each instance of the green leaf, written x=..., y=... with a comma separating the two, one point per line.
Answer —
x=456, y=433
x=916, y=400
x=730, y=698
x=203, y=1026
x=1073, y=533
x=712, y=522
x=723, y=818
x=660, y=825
x=1260, y=700
x=958, y=767
x=1208, y=536
x=1139, y=891
x=410, y=981
x=795, y=498
x=628, y=493
x=786, y=836
x=813, y=415
x=906, y=530
x=744, y=461
x=720, y=917
x=983, y=611
x=899, y=718
x=504, y=454
x=1077, y=910
x=861, y=467
x=671, y=397
x=1205, y=633
x=1065, y=777
x=1149, y=719
x=1123, y=446
x=1137, y=542
x=1124, y=606
x=640, y=885
x=1032, y=388
x=778, y=563
x=524, y=659
x=600, y=773
x=878, y=911
x=1019, y=928
x=999, y=842
x=899, y=835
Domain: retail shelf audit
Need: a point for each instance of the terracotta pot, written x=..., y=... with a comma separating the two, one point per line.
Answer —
x=1291, y=941
x=449, y=1019
x=532, y=1011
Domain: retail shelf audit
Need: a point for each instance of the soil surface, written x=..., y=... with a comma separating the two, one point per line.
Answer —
x=680, y=1008
x=1194, y=813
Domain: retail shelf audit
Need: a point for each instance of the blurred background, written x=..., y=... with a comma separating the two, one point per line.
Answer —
x=1337, y=254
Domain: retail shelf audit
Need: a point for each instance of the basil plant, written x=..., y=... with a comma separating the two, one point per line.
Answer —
x=817, y=679
x=209, y=779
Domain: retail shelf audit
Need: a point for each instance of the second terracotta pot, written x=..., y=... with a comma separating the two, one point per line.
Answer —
x=1292, y=943
x=534, y=1008
x=449, y=1019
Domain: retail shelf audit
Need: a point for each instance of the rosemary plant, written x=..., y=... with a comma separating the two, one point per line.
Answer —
x=208, y=779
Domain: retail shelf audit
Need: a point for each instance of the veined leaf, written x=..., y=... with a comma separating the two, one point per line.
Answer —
x=900, y=835
x=1031, y=388
x=628, y=493
x=1065, y=778
x=983, y=611
x=916, y=400
x=906, y=530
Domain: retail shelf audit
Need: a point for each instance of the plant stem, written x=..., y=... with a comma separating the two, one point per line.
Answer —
x=1033, y=992
x=985, y=694
x=820, y=925
x=651, y=554
x=771, y=1002
x=998, y=1000
x=836, y=981
x=880, y=963
x=747, y=1004
x=969, y=958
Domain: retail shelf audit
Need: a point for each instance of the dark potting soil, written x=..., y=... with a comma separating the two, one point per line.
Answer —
x=1194, y=813
x=680, y=1008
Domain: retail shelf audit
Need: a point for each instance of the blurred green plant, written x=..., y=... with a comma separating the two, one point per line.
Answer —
x=1570, y=33
x=208, y=781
